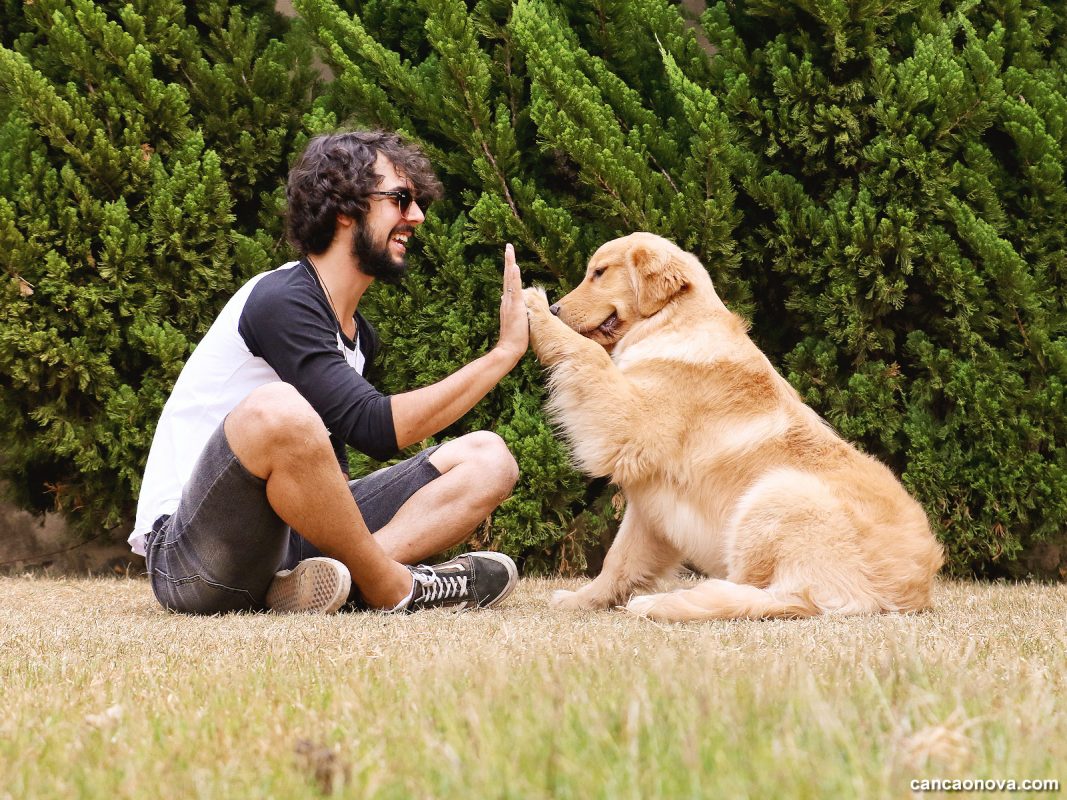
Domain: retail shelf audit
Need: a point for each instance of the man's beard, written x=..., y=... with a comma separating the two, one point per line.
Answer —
x=378, y=262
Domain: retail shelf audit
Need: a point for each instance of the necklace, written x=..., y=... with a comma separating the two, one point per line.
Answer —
x=326, y=291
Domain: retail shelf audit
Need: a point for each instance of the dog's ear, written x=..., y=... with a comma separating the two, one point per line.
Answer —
x=658, y=275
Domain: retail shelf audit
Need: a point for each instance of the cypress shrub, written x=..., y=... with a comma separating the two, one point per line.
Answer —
x=904, y=235
x=461, y=80
x=878, y=186
x=142, y=146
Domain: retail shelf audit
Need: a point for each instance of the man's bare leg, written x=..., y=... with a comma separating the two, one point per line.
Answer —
x=277, y=436
x=478, y=473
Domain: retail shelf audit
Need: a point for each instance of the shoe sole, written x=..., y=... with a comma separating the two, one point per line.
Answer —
x=513, y=575
x=314, y=586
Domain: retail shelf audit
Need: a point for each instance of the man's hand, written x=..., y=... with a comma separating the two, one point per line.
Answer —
x=514, y=326
x=429, y=410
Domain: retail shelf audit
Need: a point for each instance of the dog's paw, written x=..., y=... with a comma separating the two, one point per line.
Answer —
x=643, y=606
x=666, y=607
x=545, y=329
x=536, y=300
x=573, y=601
x=561, y=598
x=576, y=601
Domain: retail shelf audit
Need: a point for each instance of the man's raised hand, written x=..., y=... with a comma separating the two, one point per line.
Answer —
x=514, y=325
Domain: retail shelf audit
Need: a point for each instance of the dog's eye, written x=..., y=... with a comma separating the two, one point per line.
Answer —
x=598, y=272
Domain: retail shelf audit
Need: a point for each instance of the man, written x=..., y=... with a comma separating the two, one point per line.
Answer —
x=243, y=505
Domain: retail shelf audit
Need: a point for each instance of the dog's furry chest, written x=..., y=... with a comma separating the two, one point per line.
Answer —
x=692, y=522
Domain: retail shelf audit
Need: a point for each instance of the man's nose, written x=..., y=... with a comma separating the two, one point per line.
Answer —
x=414, y=214
x=554, y=308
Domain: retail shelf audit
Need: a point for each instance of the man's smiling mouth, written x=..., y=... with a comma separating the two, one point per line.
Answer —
x=400, y=239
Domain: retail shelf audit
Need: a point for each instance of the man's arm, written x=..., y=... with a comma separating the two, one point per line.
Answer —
x=424, y=412
x=287, y=322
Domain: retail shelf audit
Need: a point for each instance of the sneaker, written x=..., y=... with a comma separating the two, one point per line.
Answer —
x=472, y=580
x=315, y=586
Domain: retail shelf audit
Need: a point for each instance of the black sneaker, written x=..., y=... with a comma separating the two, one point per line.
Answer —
x=472, y=580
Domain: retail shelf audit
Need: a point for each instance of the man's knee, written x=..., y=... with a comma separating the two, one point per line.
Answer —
x=275, y=417
x=488, y=454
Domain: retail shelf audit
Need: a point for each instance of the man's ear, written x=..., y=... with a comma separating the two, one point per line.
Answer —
x=657, y=277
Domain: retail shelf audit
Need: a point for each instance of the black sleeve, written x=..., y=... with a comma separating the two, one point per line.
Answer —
x=290, y=329
x=370, y=344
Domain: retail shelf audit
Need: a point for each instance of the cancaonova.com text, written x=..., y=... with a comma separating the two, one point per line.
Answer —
x=983, y=785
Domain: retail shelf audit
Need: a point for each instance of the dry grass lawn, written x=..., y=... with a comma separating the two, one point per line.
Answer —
x=104, y=695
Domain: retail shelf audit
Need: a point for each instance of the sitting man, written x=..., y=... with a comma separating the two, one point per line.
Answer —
x=246, y=502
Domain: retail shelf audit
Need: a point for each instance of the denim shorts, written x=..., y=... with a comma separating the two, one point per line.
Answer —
x=219, y=550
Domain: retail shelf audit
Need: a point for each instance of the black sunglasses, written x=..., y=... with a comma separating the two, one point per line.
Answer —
x=403, y=197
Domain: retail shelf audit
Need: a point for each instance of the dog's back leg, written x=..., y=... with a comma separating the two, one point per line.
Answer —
x=792, y=536
x=718, y=599
x=791, y=551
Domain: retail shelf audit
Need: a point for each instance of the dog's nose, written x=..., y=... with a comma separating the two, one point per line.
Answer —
x=554, y=308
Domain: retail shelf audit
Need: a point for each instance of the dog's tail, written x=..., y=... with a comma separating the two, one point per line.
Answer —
x=717, y=599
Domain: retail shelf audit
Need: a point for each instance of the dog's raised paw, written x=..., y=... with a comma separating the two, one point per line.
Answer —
x=536, y=299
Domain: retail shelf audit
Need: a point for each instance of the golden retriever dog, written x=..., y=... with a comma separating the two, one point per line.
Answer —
x=655, y=383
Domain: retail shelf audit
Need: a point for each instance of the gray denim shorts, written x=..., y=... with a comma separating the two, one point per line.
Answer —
x=219, y=550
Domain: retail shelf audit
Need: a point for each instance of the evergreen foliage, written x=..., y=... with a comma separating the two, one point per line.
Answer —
x=452, y=81
x=878, y=186
x=904, y=233
x=142, y=146
x=538, y=119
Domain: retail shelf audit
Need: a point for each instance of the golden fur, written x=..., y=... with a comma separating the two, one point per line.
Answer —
x=656, y=384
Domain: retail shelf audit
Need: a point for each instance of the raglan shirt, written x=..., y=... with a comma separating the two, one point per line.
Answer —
x=277, y=327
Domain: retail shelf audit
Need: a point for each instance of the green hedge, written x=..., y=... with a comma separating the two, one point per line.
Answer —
x=141, y=149
x=906, y=221
x=879, y=187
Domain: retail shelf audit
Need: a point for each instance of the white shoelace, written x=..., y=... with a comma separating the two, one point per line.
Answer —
x=435, y=587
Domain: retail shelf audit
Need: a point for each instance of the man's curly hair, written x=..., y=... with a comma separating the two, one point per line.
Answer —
x=334, y=175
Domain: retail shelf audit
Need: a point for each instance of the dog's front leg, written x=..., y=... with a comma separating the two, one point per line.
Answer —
x=636, y=560
x=595, y=403
x=551, y=339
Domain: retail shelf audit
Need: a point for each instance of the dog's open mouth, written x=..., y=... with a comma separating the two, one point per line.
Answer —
x=606, y=333
x=608, y=327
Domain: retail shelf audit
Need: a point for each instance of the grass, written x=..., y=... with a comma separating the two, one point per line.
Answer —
x=106, y=696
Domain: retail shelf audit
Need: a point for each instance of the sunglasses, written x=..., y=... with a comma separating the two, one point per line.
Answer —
x=404, y=198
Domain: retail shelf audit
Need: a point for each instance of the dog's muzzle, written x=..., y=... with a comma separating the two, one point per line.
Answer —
x=554, y=308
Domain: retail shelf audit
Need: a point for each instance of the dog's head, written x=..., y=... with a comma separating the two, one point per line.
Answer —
x=628, y=280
